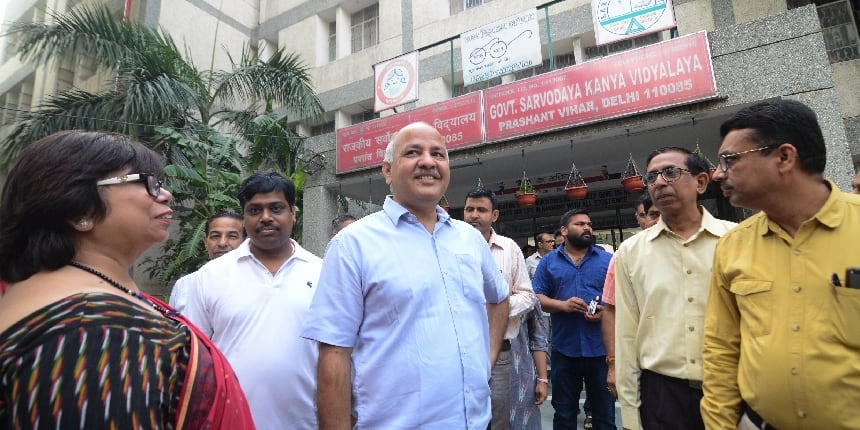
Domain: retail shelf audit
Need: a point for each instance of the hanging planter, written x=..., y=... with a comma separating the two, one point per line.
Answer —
x=633, y=184
x=526, y=193
x=712, y=169
x=575, y=188
x=631, y=180
x=443, y=202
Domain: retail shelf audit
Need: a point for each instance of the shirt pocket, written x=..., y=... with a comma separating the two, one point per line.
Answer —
x=846, y=316
x=471, y=278
x=755, y=302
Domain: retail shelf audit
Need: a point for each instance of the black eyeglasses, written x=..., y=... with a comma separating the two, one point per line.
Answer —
x=726, y=160
x=152, y=184
x=669, y=174
x=548, y=241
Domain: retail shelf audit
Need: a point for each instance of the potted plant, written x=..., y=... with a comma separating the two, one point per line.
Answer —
x=444, y=203
x=632, y=179
x=575, y=188
x=712, y=169
x=526, y=193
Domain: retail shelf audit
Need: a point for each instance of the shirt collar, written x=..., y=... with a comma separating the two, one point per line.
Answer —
x=395, y=212
x=709, y=224
x=830, y=214
x=244, y=251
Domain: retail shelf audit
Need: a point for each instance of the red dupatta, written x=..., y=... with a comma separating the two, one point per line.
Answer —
x=211, y=397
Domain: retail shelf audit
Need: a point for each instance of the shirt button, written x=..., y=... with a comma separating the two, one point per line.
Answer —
x=801, y=414
x=796, y=288
x=692, y=361
x=795, y=327
x=796, y=252
x=794, y=371
x=691, y=328
x=690, y=299
x=689, y=271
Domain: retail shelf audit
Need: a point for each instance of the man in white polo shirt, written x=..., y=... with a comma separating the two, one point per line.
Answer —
x=253, y=301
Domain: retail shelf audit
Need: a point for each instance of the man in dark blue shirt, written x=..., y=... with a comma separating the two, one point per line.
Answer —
x=566, y=281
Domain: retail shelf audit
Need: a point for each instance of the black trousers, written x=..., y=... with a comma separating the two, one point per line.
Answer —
x=669, y=403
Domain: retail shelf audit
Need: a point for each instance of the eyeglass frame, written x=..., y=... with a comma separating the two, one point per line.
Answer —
x=651, y=182
x=724, y=158
x=153, y=190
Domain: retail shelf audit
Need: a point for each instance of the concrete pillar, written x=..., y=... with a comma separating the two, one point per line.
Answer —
x=320, y=207
x=343, y=37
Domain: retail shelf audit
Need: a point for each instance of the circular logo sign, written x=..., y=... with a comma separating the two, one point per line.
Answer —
x=395, y=83
x=629, y=17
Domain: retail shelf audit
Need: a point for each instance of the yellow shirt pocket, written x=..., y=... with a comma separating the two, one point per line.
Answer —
x=846, y=316
x=755, y=302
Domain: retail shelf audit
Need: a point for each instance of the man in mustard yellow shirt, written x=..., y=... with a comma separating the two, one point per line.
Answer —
x=782, y=329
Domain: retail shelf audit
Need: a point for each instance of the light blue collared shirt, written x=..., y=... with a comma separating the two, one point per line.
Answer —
x=412, y=305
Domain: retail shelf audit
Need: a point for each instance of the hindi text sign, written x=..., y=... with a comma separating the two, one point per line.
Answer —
x=459, y=120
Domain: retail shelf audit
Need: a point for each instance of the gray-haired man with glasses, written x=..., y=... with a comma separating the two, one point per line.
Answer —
x=661, y=279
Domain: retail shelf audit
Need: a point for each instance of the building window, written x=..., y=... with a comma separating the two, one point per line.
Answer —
x=364, y=116
x=459, y=89
x=324, y=128
x=332, y=41
x=461, y=5
x=592, y=52
x=365, y=28
x=839, y=27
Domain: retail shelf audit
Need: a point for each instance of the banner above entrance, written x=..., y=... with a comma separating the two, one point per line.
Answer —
x=657, y=76
x=459, y=120
x=666, y=74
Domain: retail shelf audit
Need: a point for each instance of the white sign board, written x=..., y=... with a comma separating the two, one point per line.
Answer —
x=500, y=48
x=616, y=20
x=395, y=81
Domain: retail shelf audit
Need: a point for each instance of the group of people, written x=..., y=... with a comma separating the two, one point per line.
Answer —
x=416, y=320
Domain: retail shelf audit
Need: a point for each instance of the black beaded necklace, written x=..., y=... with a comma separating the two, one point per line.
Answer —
x=119, y=286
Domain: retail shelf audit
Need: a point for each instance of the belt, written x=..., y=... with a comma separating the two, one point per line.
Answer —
x=506, y=345
x=756, y=419
x=692, y=383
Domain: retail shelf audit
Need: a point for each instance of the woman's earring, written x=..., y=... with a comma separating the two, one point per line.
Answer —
x=83, y=224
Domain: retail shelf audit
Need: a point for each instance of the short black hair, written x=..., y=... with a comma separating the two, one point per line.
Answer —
x=266, y=182
x=538, y=239
x=339, y=220
x=565, y=218
x=695, y=163
x=227, y=213
x=645, y=201
x=52, y=186
x=774, y=122
x=480, y=193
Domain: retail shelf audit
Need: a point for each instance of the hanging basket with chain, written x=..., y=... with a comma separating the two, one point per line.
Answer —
x=575, y=188
x=526, y=193
x=631, y=180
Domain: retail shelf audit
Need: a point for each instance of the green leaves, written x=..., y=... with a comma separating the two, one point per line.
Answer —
x=155, y=94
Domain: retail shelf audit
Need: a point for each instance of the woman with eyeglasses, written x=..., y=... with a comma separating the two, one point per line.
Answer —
x=80, y=345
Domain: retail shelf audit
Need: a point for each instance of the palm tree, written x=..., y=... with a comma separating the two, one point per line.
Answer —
x=157, y=95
